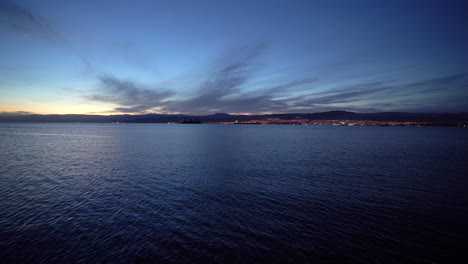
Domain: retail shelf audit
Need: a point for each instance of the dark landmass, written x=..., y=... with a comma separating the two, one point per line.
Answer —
x=448, y=119
x=190, y=121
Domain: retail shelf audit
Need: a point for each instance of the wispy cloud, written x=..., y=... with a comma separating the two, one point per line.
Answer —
x=293, y=84
x=225, y=89
x=440, y=81
x=132, y=97
x=18, y=20
x=221, y=91
x=342, y=96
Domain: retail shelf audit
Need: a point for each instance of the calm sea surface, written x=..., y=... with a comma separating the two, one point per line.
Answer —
x=232, y=193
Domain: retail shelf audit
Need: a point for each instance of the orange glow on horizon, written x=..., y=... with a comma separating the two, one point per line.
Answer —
x=89, y=110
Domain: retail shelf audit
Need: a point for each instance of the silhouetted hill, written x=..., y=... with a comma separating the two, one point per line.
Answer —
x=222, y=117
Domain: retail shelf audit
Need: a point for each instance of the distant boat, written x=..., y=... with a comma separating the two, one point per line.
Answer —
x=190, y=121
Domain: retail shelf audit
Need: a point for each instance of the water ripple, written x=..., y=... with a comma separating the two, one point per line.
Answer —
x=204, y=194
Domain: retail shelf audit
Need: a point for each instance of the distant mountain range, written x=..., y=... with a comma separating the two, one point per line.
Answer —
x=222, y=117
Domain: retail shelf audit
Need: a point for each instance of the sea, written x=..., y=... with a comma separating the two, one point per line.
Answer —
x=209, y=193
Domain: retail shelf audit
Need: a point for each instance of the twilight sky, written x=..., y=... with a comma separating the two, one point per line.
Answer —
x=201, y=57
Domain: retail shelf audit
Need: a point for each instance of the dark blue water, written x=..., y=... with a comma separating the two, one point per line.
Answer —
x=232, y=193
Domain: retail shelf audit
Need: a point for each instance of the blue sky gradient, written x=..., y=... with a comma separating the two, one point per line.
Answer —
x=202, y=57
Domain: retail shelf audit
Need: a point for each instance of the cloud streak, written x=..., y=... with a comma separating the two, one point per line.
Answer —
x=342, y=96
x=18, y=20
x=132, y=98
x=224, y=89
x=440, y=81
